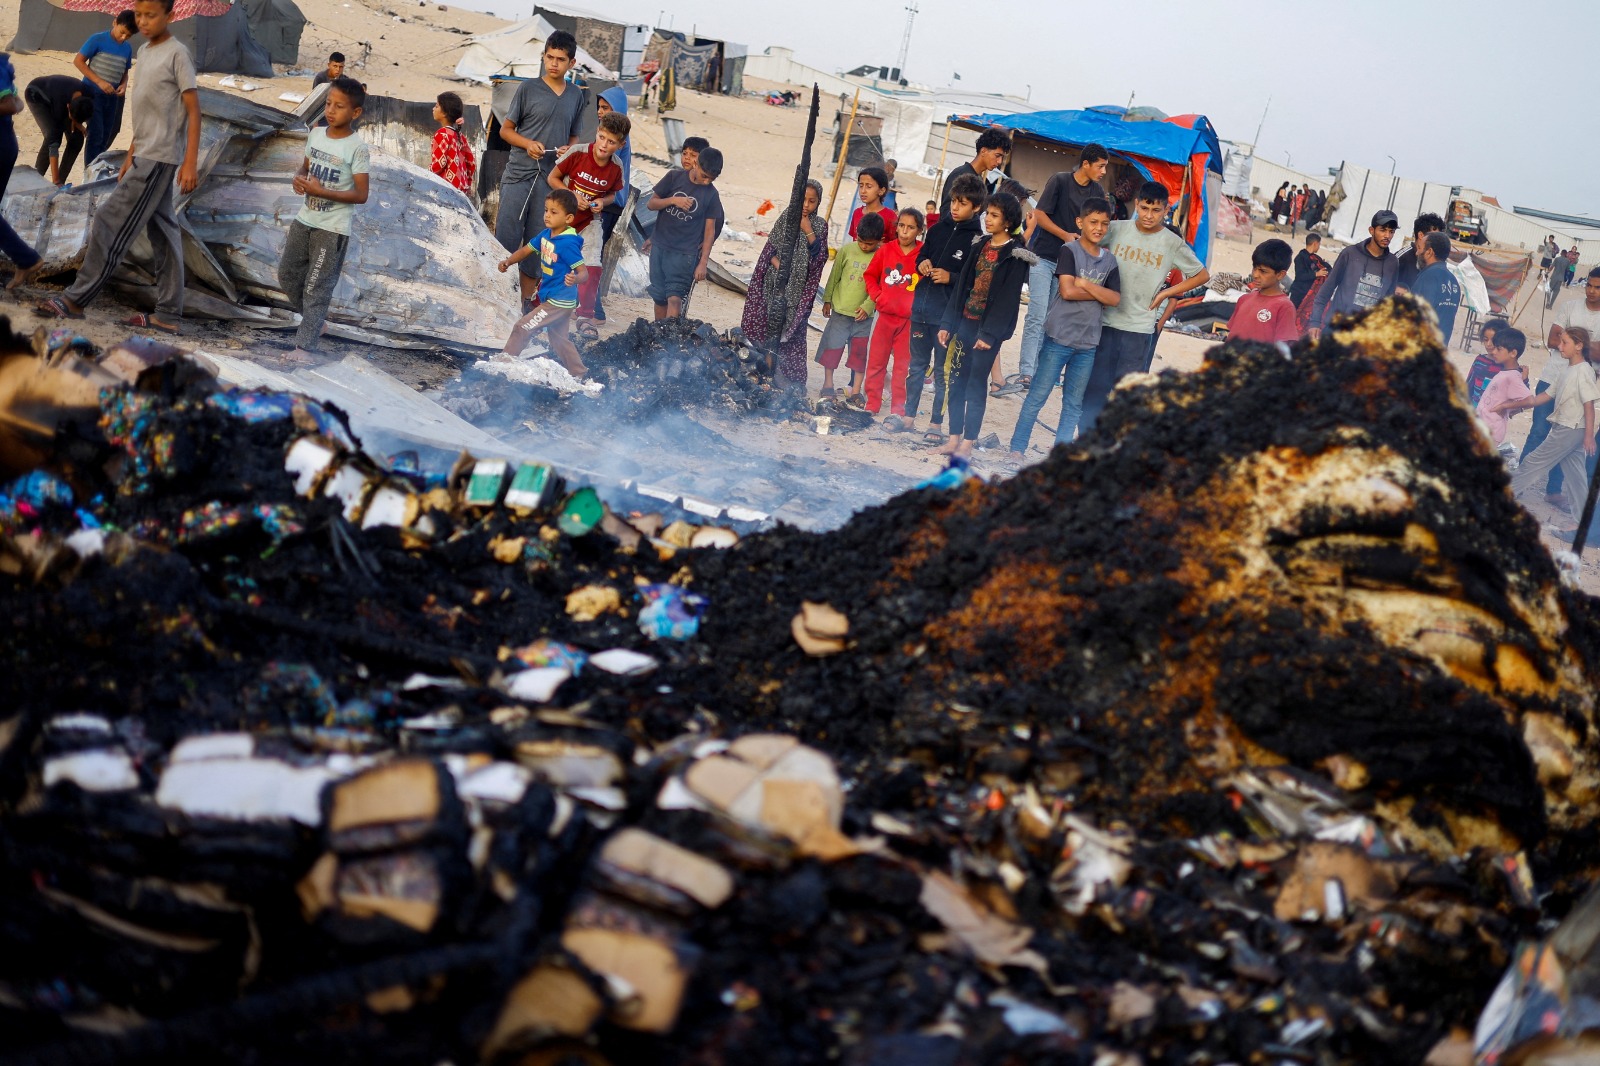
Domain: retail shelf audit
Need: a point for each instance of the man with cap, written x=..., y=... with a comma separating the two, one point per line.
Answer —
x=1362, y=275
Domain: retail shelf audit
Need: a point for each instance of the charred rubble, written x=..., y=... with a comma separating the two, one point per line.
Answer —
x=1256, y=726
x=649, y=369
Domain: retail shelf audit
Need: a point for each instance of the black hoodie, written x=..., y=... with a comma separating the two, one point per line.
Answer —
x=999, y=319
x=946, y=246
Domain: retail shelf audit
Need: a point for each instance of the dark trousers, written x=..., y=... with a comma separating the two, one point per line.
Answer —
x=1119, y=354
x=927, y=357
x=104, y=124
x=969, y=383
x=53, y=133
x=12, y=246
x=141, y=203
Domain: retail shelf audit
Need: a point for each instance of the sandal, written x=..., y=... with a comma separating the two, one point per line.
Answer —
x=56, y=307
x=933, y=436
x=143, y=321
x=589, y=331
x=826, y=394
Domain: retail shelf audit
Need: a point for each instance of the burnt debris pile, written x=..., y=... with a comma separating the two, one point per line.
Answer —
x=1256, y=726
x=649, y=369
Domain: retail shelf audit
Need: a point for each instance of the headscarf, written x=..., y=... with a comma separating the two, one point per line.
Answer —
x=618, y=99
x=785, y=289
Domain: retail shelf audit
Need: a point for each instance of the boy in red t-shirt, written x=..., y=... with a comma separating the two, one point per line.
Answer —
x=891, y=280
x=872, y=186
x=1266, y=315
x=593, y=176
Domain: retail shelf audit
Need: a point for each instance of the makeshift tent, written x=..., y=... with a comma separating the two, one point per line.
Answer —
x=616, y=45
x=277, y=24
x=514, y=53
x=1177, y=152
x=216, y=32
x=698, y=64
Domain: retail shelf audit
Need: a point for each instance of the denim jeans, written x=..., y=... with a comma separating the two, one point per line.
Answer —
x=1041, y=290
x=1057, y=362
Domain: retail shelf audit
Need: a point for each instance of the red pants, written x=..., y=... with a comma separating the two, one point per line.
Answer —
x=891, y=337
x=588, y=289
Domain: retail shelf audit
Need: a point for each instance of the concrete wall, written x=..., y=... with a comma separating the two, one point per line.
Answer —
x=1266, y=176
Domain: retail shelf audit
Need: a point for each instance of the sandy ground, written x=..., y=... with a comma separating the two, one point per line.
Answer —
x=412, y=53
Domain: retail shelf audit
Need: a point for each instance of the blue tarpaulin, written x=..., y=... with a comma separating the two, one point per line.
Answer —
x=1177, y=152
x=1166, y=141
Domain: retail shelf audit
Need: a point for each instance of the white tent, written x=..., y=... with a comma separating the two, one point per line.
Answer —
x=514, y=53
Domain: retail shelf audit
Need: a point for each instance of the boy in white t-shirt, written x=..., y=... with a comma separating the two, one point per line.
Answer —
x=333, y=179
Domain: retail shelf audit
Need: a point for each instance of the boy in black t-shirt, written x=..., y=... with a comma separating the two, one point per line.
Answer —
x=688, y=223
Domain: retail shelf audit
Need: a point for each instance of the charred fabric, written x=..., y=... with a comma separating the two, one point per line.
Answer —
x=1256, y=726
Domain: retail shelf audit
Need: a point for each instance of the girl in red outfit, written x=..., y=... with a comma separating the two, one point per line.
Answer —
x=452, y=156
x=891, y=281
x=872, y=186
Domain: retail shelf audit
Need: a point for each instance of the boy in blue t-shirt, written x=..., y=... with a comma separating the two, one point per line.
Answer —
x=561, y=269
x=103, y=61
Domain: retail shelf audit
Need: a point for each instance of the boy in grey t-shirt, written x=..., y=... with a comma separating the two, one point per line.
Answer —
x=1088, y=279
x=543, y=118
x=165, y=104
x=333, y=179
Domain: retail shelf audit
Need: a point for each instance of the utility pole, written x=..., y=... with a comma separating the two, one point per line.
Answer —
x=905, y=42
x=1257, y=142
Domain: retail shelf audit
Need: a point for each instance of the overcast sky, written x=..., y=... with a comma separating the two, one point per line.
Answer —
x=1463, y=92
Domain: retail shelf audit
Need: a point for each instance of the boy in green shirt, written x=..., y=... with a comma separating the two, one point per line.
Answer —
x=846, y=293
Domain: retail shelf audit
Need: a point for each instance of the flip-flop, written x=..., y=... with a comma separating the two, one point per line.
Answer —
x=143, y=321
x=588, y=331
x=55, y=307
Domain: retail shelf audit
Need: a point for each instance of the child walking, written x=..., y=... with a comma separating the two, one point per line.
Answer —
x=1087, y=279
x=944, y=253
x=333, y=179
x=166, y=112
x=452, y=155
x=103, y=61
x=1507, y=384
x=561, y=268
x=982, y=315
x=1266, y=315
x=1572, y=424
x=891, y=280
x=848, y=308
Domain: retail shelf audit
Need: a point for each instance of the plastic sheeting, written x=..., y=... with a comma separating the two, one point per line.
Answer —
x=278, y=25
x=1176, y=155
x=217, y=35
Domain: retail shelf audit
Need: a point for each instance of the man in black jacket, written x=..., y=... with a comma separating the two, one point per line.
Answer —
x=993, y=147
x=1409, y=267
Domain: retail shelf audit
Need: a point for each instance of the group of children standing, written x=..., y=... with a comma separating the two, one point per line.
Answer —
x=163, y=99
x=945, y=301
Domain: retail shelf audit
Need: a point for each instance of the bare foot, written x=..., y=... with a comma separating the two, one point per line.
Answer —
x=1017, y=457
x=24, y=277
x=948, y=447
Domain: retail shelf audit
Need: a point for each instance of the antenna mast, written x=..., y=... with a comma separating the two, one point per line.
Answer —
x=905, y=42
